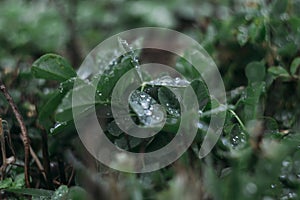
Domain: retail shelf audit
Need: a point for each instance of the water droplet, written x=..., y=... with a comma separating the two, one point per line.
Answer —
x=99, y=93
x=285, y=163
x=200, y=112
x=108, y=114
x=251, y=188
x=145, y=104
x=148, y=112
x=284, y=16
x=157, y=115
x=238, y=139
x=129, y=49
x=61, y=89
x=57, y=125
x=147, y=109
x=202, y=126
x=169, y=81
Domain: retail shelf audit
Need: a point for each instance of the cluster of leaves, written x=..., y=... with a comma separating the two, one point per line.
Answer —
x=255, y=45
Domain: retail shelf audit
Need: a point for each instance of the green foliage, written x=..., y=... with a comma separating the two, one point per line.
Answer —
x=295, y=65
x=9, y=183
x=52, y=67
x=256, y=46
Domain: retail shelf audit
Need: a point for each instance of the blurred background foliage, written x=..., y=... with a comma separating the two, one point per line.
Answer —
x=255, y=44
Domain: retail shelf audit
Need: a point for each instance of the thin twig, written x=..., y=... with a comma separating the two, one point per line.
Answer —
x=71, y=176
x=25, y=137
x=6, y=161
x=2, y=141
x=38, y=162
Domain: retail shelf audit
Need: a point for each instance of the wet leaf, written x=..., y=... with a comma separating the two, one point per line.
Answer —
x=251, y=101
x=243, y=35
x=46, y=113
x=279, y=6
x=106, y=82
x=39, y=193
x=278, y=71
x=169, y=100
x=77, y=193
x=201, y=92
x=295, y=65
x=185, y=68
x=114, y=129
x=128, y=143
x=169, y=81
x=84, y=102
x=146, y=108
x=6, y=183
x=238, y=138
x=53, y=67
x=61, y=193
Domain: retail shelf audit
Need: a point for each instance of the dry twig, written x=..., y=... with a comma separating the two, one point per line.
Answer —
x=25, y=137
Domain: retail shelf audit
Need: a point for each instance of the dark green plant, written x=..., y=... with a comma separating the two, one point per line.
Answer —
x=256, y=47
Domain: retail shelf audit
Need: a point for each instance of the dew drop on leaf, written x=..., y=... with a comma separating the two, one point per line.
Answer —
x=148, y=111
x=169, y=81
x=238, y=138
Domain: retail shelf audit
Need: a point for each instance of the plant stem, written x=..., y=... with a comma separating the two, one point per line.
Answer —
x=25, y=137
x=46, y=160
x=238, y=119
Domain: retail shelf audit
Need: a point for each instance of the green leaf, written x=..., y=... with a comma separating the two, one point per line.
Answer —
x=48, y=109
x=289, y=49
x=169, y=81
x=61, y=193
x=160, y=140
x=77, y=193
x=19, y=181
x=169, y=100
x=6, y=183
x=295, y=65
x=270, y=125
x=278, y=71
x=186, y=69
x=255, y=72
x=238, y=138
x=106, y=82
x=114, y=129
x=84, y=101
x=128, y=143
x=201, y=92
x=243, y=35
x=61, y=127
x=32, y=192
x=278, y=7
x=52, y=67
x=252, y=101
x=146, y=108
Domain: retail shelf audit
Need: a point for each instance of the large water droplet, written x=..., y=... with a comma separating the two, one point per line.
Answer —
x=57, y=126
x=127, y=48
x=169, y=81
x=147, y=109
x=238, y=138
